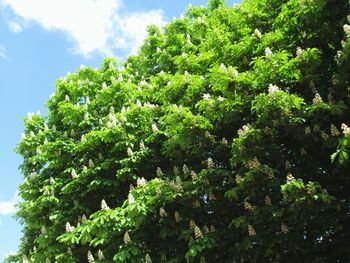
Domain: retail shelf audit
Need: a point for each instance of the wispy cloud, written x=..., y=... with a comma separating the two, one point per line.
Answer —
x=8, y=207
x=103, y=26
x=3, y=52
x=14, y=26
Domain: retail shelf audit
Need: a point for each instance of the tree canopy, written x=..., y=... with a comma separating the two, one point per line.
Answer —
x=225, y=139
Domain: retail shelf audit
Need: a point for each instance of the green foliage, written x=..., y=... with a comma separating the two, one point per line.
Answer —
x=224, y=140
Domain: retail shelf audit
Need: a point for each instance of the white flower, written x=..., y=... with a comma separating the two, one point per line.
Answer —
x=154, y=128
x=206, y=96
x=91, y=163
x=69, y=228
x=290, y=177
x=243, y=130
x=104, y=85
x=30, y=115
x=66, y=98
x=273, y=88
x=223, y=67
x=90, y=257
x=104, y=205
x=345, y=128
x=159, y=50
x=130, y=152
x=100, y=255
x=141, y=181
x=346, y=28
x=210, y=163
x=257, y=33
x=127, y=238
x=74, y=174
x=83, y=218
x=142, y=146
x=148, y=259
x=159, y=171
x=51, y=180
x=268, y=52
x=317, y=99
x=131, y=198
x=83, y=139
x=299, y=52
x=185, y=169
x=162, y=212
x=120, y=78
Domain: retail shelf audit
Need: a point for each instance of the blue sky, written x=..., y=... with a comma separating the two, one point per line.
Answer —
x=42, y=40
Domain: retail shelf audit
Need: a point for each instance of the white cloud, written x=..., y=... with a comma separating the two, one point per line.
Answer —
x=8, y=207
x=14, y=26
x=3, y=52
x=93, y=25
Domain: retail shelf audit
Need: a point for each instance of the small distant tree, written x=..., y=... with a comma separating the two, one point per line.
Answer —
x=225, y=139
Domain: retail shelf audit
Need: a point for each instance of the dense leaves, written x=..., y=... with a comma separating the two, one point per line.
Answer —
x=225, y=139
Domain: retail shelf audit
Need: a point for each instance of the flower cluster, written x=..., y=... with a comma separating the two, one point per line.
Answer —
x=268, y=200
x=177, y=217
x=284, y=228
x=253, y=163
x=317, y=99
x=243, y=130
x=131, y=198
x=346, y=28
x=69, y=228
x=346, y=130
x=196, y=204
x=257, y=33
x=251, y=230
x=334, y=130
x=104, y=205
x=127, y=238
x=154, y=128
x=90, y=257
x=159, y=171
x=148, y=259
x=100, y=255
x=307, y=130
x=129, y=152
x=194, y=175
x=290, y=178
x=268, y=52
x=162, y=212
x=74, y=174
x=249, y=206
x=211, y=196
x=299, y=52
x=141, y=181
x=273, y=88
x=210, y=163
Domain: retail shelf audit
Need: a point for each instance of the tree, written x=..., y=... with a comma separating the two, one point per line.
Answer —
x=224, y=140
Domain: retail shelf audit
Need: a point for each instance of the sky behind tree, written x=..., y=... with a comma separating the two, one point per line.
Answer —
x=41, y=41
